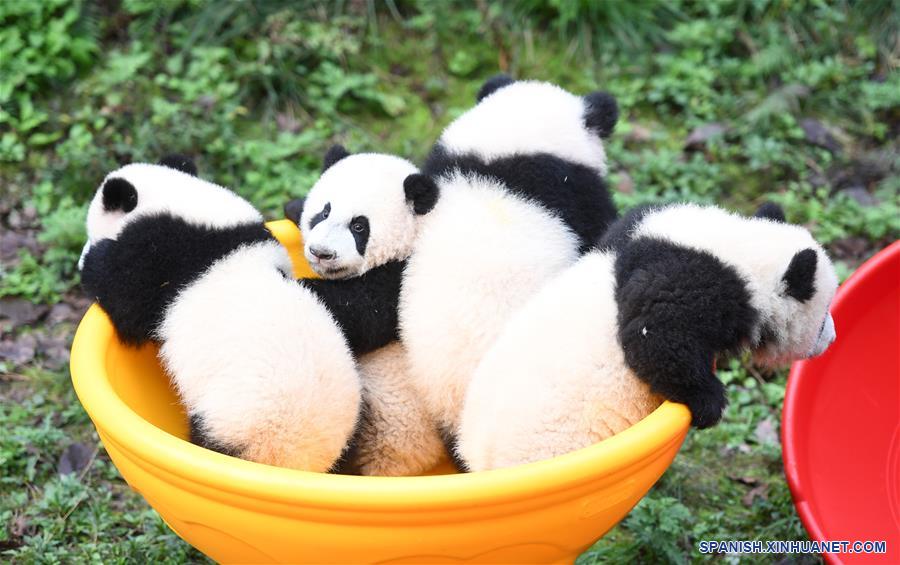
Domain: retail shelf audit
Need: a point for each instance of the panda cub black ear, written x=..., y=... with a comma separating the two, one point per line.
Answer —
x=492, y=85
x=770, y=211
x=800, y=277
x=294, y=209
x=119, y=194
x=179, y=162
x=421, y=191
x=601, y=113
x=334, y=154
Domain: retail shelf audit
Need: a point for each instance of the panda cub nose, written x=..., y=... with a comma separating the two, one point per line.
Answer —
x=322, y=253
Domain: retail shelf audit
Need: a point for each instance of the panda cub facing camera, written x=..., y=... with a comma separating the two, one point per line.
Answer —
x=641, y=320
x=262, y=368
x=359, y=222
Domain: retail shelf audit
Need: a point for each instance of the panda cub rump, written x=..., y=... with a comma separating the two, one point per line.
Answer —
x=396, y=436
x=462, y=283
x=555, y=380
x=252, y=392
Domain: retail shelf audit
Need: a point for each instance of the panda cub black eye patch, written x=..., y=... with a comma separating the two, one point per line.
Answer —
x=320, y=216
x=359, y=227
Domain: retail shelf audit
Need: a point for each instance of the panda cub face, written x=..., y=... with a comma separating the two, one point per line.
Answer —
x=790, y=279
x=170, y=187
x=361, y=213
x=802, y=299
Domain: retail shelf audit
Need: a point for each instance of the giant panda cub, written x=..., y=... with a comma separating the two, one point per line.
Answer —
x=359, y=222
x=259, y=362
x=641, y=320
x=521, y=177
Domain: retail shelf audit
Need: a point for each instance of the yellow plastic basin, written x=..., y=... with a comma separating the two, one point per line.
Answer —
x=238, y=511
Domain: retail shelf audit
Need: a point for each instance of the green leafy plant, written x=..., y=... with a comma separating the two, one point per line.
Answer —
x=42, y=44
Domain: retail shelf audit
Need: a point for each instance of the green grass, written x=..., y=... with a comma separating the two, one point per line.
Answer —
x=257, y=91
x=90, y=515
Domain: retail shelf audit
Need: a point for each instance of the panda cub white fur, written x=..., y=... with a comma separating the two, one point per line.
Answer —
x=260, y=364
x=522, y=195
x=641, y=320
x=359, y=222
x=396, y=436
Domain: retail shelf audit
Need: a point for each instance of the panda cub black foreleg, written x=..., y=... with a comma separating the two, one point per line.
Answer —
x=677, y=307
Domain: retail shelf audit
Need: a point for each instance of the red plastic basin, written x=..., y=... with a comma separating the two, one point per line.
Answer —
x=841, y=419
